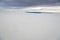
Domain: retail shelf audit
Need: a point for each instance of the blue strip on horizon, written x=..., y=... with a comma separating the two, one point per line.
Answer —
x=39, y=12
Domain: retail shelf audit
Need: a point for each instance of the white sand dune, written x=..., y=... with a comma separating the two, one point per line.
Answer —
x=51, y=9
x=16, y=25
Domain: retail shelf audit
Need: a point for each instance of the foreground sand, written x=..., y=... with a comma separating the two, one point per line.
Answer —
x=16, y=25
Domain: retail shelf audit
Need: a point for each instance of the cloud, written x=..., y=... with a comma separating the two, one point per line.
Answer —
x=26, y=2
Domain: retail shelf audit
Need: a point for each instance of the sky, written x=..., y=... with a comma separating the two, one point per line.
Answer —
x=22, y=3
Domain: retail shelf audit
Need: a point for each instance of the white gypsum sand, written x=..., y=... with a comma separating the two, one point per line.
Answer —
x=17, y=25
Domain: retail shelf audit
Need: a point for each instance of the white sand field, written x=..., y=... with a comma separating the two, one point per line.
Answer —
x=17, y=25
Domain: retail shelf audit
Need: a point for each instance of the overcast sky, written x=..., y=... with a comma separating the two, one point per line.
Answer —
x=27, y=2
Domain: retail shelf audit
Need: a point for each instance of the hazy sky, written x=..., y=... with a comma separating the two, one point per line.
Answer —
x=26, y=2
